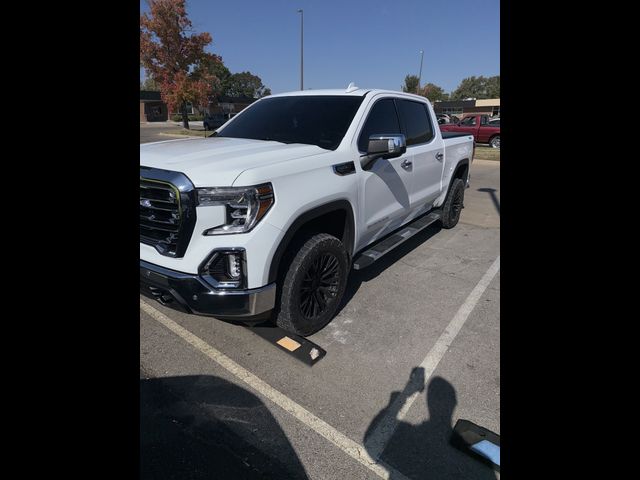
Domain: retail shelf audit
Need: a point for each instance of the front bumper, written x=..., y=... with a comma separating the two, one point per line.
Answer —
x=196, y=296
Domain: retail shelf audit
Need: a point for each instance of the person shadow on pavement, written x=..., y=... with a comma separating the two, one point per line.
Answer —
x=423, y=451
x=204, y=427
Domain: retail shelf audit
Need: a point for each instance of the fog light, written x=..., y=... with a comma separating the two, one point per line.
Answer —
x=225, y=269
x=234, y=265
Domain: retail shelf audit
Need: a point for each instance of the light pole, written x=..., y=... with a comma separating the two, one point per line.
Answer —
x=301, y=49
x=420, y=75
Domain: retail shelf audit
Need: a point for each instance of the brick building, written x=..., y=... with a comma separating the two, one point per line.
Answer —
x=153, y=109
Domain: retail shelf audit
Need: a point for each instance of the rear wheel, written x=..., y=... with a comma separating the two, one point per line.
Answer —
x=454, y=204
x=313, y=285
x=495, y=141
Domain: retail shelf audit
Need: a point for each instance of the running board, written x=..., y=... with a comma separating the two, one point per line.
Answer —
x=367, y=257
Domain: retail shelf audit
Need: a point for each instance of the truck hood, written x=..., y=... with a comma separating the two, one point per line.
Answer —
x=217, y=161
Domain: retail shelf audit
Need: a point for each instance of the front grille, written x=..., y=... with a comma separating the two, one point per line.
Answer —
x=160, y=215
x=167, y=210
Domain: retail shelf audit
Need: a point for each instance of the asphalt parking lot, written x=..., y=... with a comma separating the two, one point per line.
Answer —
x=414, y=348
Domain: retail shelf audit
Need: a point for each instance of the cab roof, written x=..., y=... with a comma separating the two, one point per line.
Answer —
x=358, y=92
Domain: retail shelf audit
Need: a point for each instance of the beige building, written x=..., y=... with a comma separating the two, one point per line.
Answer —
x=489, y=106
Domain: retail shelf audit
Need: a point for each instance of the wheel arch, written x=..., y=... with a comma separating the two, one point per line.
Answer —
x=461, y=171
x=317, y=218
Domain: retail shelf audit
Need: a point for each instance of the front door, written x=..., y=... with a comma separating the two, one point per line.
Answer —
x=386, y=187
x=467, y=125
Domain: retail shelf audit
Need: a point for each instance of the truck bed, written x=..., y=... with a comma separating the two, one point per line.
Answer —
x=446, y=135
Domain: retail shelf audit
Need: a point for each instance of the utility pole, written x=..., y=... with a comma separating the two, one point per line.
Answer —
x=420, y=74
x=301, y=12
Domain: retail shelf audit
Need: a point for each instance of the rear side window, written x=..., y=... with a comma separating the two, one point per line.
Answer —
x=416, y=121
x=382, y=119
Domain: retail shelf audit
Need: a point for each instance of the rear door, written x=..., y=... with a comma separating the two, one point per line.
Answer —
x=425, y=151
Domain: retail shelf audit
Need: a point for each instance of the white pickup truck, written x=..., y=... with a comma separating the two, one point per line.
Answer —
x=266, y=218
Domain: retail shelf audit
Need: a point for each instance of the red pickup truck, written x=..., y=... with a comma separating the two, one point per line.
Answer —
x=483, y=129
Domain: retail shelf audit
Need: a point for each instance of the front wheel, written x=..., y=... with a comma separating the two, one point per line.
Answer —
x=313, y=285
x=495, y=142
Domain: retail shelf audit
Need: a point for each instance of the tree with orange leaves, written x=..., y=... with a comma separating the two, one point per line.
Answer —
x=174, y=55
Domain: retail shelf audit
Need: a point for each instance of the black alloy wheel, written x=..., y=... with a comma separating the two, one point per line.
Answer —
x=312, y=282
x=319, y=285
x=453, y=204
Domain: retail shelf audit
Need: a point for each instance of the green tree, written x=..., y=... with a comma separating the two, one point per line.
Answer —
x=215, y=68
x=410, y=84
x=477, y=87
x=150, y=84
x=172, y=54
x=493, y=87
x=433, y=92
x=245, y=84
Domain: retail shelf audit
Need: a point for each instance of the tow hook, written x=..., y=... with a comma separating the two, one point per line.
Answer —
x=162, y=298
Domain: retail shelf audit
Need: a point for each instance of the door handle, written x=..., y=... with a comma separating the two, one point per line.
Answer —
x=439, y=156
x=406, y=164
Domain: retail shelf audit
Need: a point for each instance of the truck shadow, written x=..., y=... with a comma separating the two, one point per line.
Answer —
x=385, y=172
x=423, y=451
x=204, y=427
x=358, y=277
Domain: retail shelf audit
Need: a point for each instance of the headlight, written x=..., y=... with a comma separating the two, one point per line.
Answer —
x=245, y=206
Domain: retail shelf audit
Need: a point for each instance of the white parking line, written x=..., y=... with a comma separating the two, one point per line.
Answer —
x=377, y=441
x=348, y=446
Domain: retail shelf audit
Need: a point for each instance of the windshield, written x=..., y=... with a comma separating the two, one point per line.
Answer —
x=315, y=120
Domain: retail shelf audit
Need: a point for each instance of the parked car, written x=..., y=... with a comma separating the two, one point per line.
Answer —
x=443, y=118
x=266, y=218
x=479, y=126
x=215, y=120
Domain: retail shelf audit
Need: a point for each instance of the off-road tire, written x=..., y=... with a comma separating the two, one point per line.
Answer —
x=453, y=205
x=317, y=273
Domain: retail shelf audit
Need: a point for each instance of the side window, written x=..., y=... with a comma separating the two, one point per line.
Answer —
x=416, y=122
x=469, y=121
x=382, y=119
x=484, y=120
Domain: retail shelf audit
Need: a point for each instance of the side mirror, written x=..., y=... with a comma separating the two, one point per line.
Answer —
x=385, y=146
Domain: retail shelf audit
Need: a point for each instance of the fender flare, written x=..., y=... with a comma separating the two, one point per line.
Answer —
x=464, y=161
x=315, y=212
x=443, y=196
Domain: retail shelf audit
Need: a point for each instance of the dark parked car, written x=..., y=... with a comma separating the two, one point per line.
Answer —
x=215, y=120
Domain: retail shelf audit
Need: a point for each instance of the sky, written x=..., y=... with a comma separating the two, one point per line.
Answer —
x=373, y=43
